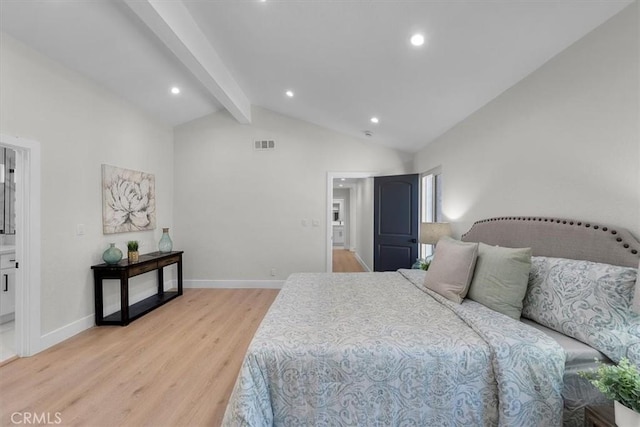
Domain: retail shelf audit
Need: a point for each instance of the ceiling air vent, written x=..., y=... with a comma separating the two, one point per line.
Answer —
x=264, y=145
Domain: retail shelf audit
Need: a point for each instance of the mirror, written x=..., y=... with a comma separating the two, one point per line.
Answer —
x=338, y=210
x=8, y=191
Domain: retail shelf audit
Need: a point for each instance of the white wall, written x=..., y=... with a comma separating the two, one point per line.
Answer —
x=79, y=126
x=239, y=212
x=564, y=142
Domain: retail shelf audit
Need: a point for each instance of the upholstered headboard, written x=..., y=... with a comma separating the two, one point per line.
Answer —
x=560, y=238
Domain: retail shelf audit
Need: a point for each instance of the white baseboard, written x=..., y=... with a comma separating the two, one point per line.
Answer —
x=233, y=284
x=65, y=332
x=9, y=317
x=365, y=266
x=57, y=336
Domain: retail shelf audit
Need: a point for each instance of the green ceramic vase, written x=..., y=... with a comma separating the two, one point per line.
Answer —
x=165, y=244
x=112, y=255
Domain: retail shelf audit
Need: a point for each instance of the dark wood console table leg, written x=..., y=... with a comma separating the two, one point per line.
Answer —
x=124, y=298
x=97, y=287
x=180, y=275
x=161, y=281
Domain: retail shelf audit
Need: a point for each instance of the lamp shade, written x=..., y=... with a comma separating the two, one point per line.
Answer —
x=431, y=232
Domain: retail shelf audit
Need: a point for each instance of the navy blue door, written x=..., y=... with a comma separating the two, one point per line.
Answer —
x=396, y=220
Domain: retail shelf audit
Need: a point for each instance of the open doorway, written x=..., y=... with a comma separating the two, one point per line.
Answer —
x=341, y=221
x=21, y=249
x=344, y=227
x=8, y=173
x=349, y=221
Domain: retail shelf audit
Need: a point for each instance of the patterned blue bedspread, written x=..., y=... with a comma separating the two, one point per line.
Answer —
x=378, y=349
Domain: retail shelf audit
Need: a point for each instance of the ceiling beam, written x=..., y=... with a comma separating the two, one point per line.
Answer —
x=175, y=27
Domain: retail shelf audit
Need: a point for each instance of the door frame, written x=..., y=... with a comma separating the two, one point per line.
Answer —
x=329, y=210
x=28, y=243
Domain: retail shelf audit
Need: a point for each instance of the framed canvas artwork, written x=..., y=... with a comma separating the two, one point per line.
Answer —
x=128, y=200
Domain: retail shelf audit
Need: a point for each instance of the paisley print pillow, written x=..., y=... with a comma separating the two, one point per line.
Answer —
x=588, y=301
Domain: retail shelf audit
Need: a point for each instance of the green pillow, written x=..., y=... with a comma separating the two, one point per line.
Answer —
x=500, y=278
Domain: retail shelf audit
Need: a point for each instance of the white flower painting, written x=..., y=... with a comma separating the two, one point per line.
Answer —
x=128, y=200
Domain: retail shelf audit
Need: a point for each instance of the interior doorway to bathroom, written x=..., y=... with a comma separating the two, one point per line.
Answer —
x=27, y=241
x=340, y=221
x=349, y=228
x=344, y=228
x=8, y=230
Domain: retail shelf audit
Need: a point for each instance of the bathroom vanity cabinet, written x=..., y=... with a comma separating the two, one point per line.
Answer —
x=338, y=235
x=7, y=287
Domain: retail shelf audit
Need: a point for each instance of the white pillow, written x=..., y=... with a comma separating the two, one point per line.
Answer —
x=452, y=268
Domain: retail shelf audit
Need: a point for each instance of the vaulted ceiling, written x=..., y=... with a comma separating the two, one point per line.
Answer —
x=344, y=61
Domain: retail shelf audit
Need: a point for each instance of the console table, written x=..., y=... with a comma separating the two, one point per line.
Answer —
x=123, y=271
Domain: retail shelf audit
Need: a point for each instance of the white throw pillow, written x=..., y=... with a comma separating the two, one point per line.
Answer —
x=452, y=267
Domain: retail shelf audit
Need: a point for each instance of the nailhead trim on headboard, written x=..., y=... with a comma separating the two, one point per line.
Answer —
x=633, y=249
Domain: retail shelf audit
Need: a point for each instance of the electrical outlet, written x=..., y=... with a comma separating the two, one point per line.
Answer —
x=273, y=272
x=80, y=230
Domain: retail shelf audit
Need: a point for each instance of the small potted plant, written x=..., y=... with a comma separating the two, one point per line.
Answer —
x=132, y=247
x=620, y=383
x=422, y=264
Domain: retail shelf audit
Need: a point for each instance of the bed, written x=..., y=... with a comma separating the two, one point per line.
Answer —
x=385, y=349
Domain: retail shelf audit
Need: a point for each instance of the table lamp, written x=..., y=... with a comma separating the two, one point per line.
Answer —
x=431, y=232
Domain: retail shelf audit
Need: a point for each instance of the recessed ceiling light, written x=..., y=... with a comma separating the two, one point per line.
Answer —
x=175, y=90
x=289, y=93
x=342, y=179
x=340, y=185
x=375, y=120
x=417, y=39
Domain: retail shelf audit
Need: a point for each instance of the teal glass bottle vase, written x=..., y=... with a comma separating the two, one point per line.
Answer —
x=165, y=244
x=112, y=255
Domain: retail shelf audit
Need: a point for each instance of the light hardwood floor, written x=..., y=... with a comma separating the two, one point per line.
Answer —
x=176, y=366
x=344, y=261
